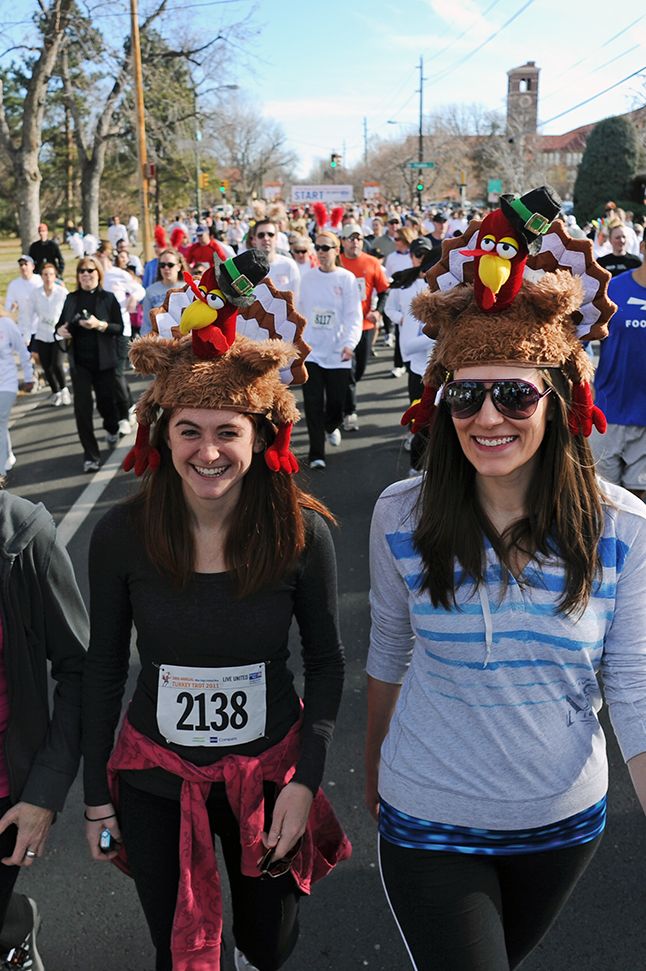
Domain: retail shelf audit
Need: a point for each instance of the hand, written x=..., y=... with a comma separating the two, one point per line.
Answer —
x=28, y=386
x=374, y=316
x=33, y=824
x=63, y=331
x=95, y=824
x=289, y=820
x=346, y=354
x=371, y=795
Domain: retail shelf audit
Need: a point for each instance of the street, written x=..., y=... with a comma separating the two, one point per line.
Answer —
x=91, y=917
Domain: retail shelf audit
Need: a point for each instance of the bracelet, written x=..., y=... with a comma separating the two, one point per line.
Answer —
x=99, y=819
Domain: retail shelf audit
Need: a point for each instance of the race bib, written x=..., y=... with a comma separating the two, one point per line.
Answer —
x=323, y=319
x=211, y=707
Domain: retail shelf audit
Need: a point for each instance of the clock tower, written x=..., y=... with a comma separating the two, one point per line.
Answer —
x=522, y=99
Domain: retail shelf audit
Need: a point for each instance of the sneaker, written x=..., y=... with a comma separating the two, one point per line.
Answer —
x=334, y=438
x=240, y=960
x=91, y=465
x=56, y=400
x=389, y=340
x=408, y=441
x=124, y=427
x=398, y=372
x=112, y=440
x=351, y=423
x=66, y=397
x=317, y=464
x=11, y=461
x=26, y=956
x=132, y=410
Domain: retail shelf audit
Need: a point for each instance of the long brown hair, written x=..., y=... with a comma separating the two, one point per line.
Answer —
x=265, y=538
x=564, y=503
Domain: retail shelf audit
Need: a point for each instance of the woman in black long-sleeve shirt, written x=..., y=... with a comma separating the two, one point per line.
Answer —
x=91, y=319
x=211, y=562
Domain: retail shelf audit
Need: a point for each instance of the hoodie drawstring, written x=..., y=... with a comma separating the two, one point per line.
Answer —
x=486, y=613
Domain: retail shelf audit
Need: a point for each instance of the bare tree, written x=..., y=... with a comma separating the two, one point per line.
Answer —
x=22, y=142
x=250, y=147
x=113, y=120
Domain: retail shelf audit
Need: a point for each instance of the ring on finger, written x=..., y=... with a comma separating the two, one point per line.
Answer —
x=30, y=854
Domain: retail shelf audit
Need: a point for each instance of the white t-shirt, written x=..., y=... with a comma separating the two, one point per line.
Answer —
x=90, y=244
x=11, y=343
x=284, y=274
x=117, y=232
x=397, y=261
x=331, y=306
x=22, y=292
x=48, y=311
x=123, y=285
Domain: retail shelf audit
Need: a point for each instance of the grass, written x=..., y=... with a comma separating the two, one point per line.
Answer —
x=10, y=250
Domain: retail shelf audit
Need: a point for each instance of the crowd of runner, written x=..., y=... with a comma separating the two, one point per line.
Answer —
x=505, y=575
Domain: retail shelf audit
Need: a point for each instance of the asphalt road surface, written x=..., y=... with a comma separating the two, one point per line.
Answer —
x=91, y=917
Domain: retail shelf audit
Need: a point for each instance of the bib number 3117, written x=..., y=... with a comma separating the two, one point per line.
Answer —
x=211, y=706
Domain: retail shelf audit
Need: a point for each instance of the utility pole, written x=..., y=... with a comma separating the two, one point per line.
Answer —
x=198, y=175
x=142, y=156
x=365, y=141
x=420, y=150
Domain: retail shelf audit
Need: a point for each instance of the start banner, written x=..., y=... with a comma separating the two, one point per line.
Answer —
x=305, y=194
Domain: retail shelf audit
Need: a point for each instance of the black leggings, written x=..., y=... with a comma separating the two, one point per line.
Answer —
x=51, y=359
x=265, y=911
x=459, y=912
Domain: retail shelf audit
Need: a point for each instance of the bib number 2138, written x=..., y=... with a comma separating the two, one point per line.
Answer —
x=211, y=706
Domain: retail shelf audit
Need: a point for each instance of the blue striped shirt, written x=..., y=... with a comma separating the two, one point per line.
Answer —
x=496, y=726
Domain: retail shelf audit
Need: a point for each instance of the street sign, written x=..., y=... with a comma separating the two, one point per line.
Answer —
x=420, y=165
x=494, y=185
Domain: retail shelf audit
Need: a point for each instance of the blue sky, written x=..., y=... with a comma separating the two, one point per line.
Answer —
x=319, y=69
x=327, y=66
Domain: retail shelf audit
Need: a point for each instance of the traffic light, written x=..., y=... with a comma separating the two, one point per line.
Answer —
x=420, y=186
x=204, y=180
x=222, y=187
x=335, y=160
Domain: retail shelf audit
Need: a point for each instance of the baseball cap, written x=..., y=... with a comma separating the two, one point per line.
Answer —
x=202, y=228
x=393, y=218
x=351, y=229
x=25, y=258
x=439, y=218
x=420, y=246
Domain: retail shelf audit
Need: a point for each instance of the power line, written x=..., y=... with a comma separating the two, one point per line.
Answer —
x=444, y=73
x=622, y=31
x=617, y=57
x=594, y=97
x=465, y=31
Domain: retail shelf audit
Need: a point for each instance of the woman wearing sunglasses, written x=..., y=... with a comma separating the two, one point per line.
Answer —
x=330, y=302
x=91, y=319
x=170, y=267
x=503, y=581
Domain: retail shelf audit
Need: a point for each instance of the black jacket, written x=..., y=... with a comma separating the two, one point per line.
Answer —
x=43, y=620
x=105, y=306
x=47, y=251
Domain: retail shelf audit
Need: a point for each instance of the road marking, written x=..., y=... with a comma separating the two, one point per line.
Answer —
x=76, y=515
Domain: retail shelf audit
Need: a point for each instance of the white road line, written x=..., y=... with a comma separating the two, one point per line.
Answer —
x=76, y=515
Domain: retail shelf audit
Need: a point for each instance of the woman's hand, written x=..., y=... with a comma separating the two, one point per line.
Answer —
x=289, y=821
x=98, y=818
x=93, y=323
x=346, y=354
x=33, y=824
x=63, y=331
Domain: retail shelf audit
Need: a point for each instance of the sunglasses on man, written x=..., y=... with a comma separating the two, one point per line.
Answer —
x=262, y=235
x=513, y=398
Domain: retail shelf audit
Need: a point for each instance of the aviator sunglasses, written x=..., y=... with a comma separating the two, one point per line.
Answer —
x=512, y=397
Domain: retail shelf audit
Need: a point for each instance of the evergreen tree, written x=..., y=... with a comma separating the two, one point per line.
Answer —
x=607, y=167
